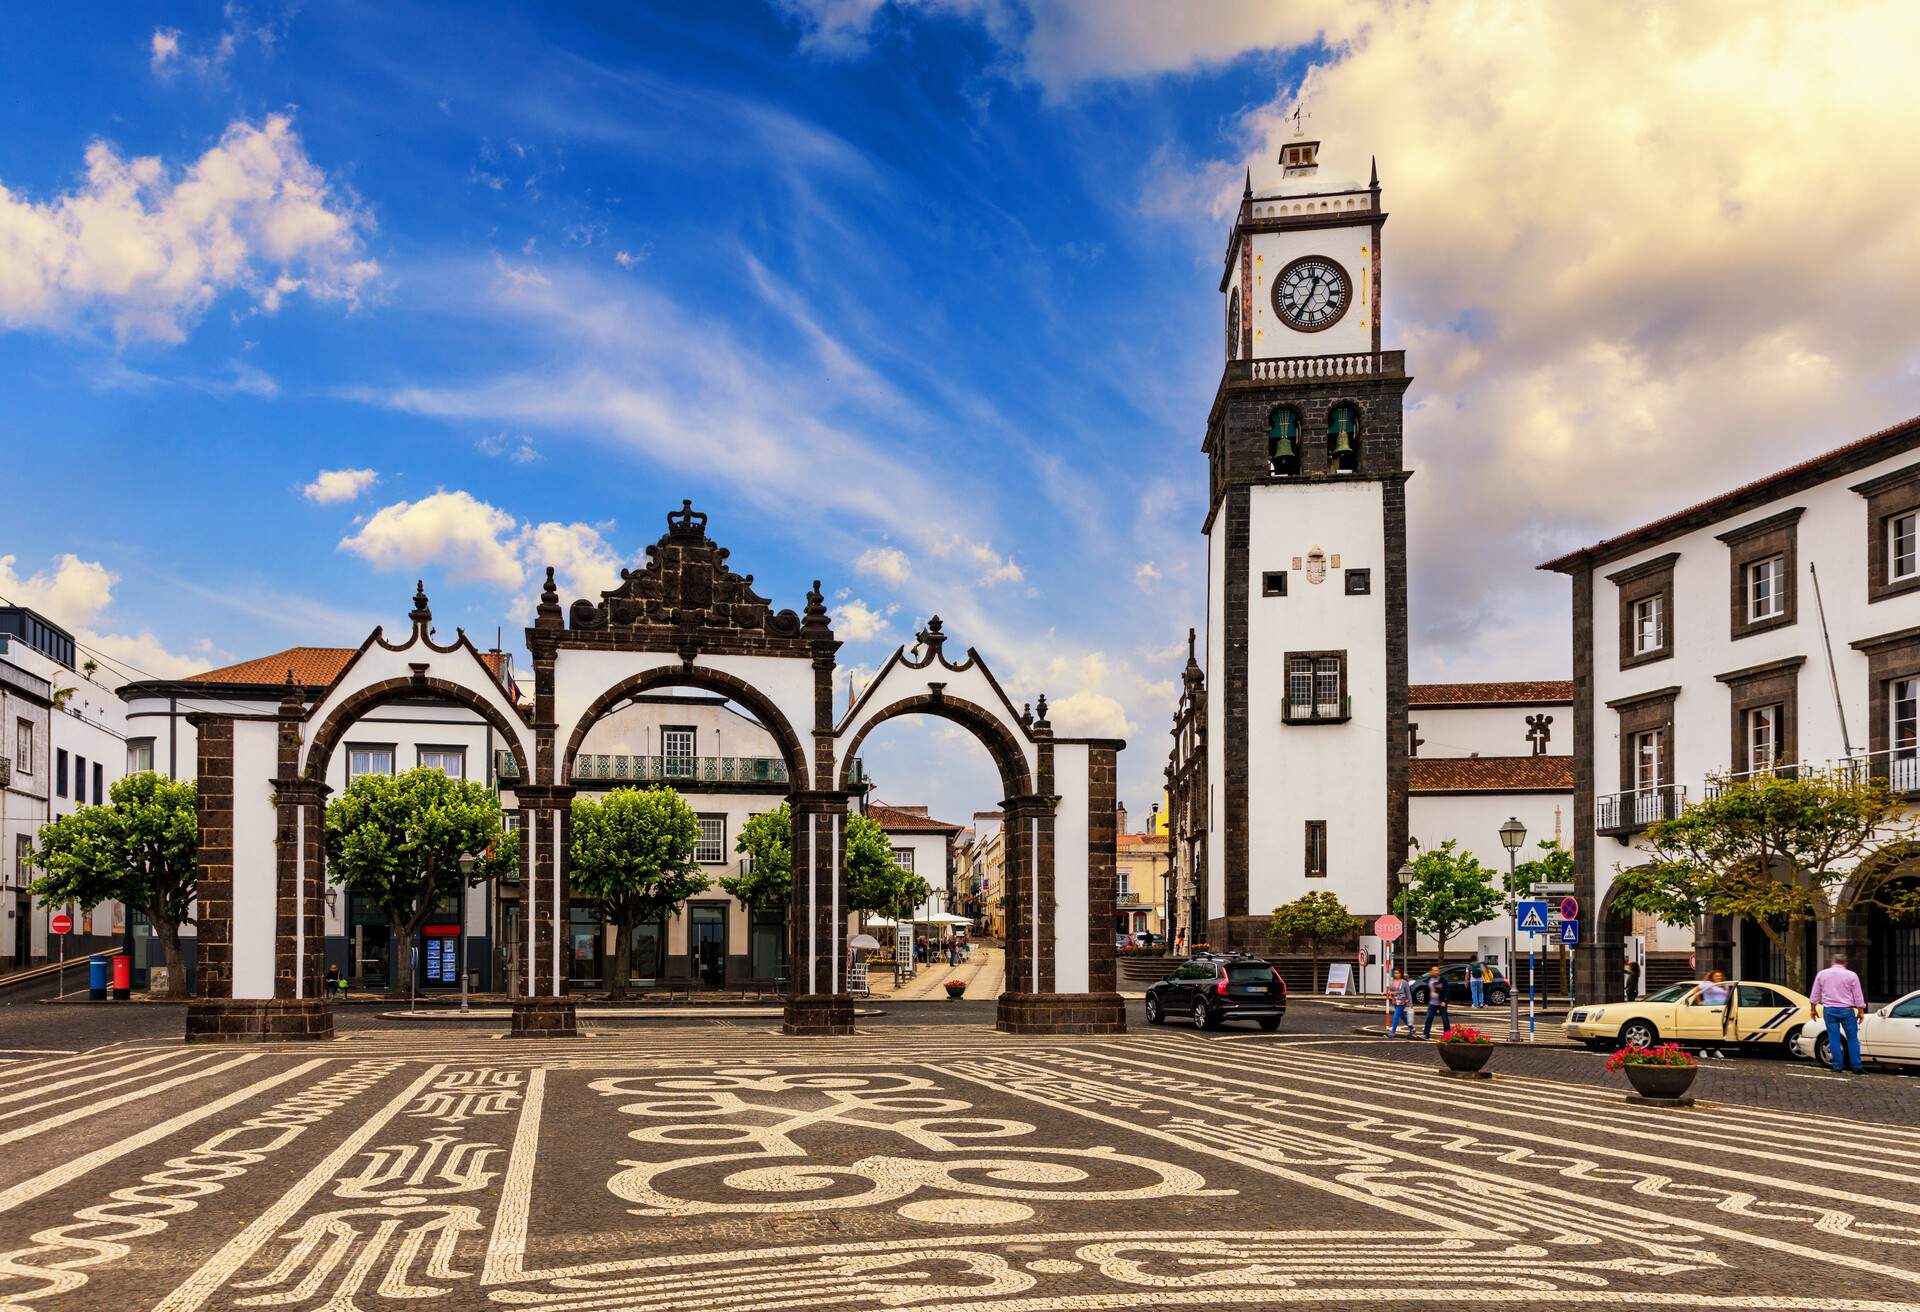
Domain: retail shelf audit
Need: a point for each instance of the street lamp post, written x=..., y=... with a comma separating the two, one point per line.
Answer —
x=1404, y=877
x=1513, y=835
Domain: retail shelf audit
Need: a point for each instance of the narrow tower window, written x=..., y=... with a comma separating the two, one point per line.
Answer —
x=1343, y=440
x=1283, y=441
x=1233, y=324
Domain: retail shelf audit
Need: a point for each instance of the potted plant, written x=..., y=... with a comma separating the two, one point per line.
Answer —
x=956, y=987
x=1465, y=1049
x=1662, y=1074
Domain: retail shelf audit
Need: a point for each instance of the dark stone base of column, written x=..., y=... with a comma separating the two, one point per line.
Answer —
x=818, y=1013
x=1062, y=1013
x=258, y=1020
x=544, y=1018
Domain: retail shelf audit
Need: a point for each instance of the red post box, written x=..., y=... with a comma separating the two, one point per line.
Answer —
x=123, y=977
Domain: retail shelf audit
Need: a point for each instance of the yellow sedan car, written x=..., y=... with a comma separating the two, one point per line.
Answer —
x=1697, y=1014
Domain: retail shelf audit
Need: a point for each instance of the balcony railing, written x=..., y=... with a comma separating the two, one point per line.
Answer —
x=604, y=767
x=1316, y=710
x=1718, y=785
x=1300, y=368
x=1625, y=813
x=1898, y=768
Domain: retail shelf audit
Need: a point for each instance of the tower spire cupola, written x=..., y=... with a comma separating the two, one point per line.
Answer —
x=1300, y=157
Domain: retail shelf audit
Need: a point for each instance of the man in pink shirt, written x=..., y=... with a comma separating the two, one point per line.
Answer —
x=1839, y=1000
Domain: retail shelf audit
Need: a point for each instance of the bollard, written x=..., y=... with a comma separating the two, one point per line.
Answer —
x=122, y=977
x=97, y=979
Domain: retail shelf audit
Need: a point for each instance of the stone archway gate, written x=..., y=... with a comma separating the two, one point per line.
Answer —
x=685, y=619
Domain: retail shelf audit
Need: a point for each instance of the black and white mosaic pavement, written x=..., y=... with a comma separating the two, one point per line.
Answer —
x=918, y=1167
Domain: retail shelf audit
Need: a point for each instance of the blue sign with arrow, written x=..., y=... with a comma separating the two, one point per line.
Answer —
x=1533, y=917
x=1570, y=933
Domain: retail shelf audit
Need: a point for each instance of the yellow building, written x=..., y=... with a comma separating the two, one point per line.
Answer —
x=1140, y=887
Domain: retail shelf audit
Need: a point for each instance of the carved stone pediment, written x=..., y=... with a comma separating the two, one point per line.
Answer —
x=686, y=586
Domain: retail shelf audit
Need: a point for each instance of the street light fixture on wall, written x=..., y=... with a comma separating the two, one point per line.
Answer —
x=1513, y=835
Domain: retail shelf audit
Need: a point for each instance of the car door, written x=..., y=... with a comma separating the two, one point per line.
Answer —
x=1762, y=1014
x=1896, y=1035
x=1696, y=1021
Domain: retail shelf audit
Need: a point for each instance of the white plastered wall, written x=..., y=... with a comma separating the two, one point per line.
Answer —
x=1070, y=872
x=1272, y=251
x=256, y=753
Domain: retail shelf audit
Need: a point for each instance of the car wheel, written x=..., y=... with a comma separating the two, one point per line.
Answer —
x=1270, y=1024
x=1202, y=1018
x=1154, y=1015
x=1497, y=997
x=1823, y=1051
x=1639, y=1033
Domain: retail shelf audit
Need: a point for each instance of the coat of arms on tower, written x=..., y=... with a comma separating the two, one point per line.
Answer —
x=1316, y=566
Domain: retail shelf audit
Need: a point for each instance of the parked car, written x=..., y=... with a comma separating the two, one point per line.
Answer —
x=1889, y=1035
x=1754, y=1014
x=1210, y=990
x=1458, y=990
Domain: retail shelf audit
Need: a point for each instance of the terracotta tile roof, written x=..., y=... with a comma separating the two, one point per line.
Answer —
x=1136, y=840
x=1489, y=774
x=313, y=667
x=1520, y=693
x=896, y=820
x=1747, y=495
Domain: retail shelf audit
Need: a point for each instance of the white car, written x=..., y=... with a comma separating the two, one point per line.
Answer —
x=1890, y=1035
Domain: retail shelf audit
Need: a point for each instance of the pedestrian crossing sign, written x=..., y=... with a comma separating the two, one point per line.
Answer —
x=1533, y=917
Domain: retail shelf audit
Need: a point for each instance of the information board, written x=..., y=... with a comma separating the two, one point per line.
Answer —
x=443, y=961
x=1339, y=977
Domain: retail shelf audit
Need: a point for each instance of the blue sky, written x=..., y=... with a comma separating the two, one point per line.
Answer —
x=915, y=298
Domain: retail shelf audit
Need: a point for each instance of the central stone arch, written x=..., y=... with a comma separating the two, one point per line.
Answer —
x=1060, y=821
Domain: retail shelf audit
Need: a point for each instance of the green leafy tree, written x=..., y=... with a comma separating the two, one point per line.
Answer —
x=767, y=842
x=875, y=881
x=1779, y=853
x=633, y=852
x=1317, y=921
x=405, y=841
x=140, y=848
x=1451, y=891
x=1554, y=865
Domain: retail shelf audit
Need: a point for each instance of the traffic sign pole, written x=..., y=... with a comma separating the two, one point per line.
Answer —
x=61, y=924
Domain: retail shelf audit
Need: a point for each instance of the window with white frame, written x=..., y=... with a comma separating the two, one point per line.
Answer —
x=23, y=747
x=1314, y=687
x=1649, y=624
x=139, y=755
x=712, y=847
x=1766, y=589
x=1903, y=546
x=676, y=751
x=1650, y=759
x=1763, y=739
x=450, y=761
x=1903, y=711
x=1123, y=885
x=367, y=758
x=22, y=859
x=903, y=857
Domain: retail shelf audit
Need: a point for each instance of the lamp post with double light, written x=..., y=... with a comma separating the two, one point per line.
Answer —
x=1513, y=835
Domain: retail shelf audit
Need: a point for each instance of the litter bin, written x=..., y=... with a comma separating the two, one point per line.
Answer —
x=97, y=979
x=122, y=977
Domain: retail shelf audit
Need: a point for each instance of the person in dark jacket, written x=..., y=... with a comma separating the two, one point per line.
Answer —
x=1633, y=981
x=1436, y=1003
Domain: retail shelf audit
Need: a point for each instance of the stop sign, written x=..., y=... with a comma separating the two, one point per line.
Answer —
x=61, y=924
x=1387, y=927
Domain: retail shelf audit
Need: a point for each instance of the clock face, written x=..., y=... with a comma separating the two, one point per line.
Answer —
x=1312, y=293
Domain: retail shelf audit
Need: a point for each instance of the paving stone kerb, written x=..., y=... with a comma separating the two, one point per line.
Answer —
x=684, y=619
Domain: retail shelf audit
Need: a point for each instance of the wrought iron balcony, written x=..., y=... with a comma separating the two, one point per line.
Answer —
x=1307, y=368
x=1897, y=768
x=1316, y=710
x=1621, y=814
x=604, y=767
x=1715, y=787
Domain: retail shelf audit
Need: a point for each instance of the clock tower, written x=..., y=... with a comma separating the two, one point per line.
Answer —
x=1306, y=558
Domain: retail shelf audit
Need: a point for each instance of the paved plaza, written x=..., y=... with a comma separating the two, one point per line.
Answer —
x=942, y=1166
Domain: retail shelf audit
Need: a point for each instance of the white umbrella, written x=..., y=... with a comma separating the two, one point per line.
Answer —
x=863, y=941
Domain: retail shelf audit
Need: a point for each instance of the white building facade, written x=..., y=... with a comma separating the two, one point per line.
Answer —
x=1773, y=628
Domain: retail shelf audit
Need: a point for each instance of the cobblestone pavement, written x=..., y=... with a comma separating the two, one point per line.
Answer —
x=949, y=1167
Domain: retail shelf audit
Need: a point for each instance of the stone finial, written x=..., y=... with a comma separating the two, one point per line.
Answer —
x=547, y=614
x=1026, y=715
x=292, y=704
x=815, y=622
x=1192, y=675
x=1040, y=713
x=1248, y=193
x=421, y=614
x=930, y=639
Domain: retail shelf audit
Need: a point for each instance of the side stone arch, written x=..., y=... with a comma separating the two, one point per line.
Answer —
x=1008, y=758
x=693, y=676
x=330, y=731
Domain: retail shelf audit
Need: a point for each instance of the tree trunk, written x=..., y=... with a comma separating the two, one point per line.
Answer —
x=1440, y=950
x=399, y=955
x=1313, y=981
x=622, y=968
x=169, y=936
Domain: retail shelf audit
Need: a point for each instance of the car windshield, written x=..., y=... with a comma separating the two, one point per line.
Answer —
x=1249, y=973
x=1671, y=993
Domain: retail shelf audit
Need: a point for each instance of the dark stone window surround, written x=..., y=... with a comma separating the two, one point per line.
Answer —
x=1286, y=685
x=1890, y=656
x=1649, y=578
x=1638, y=714
x=1307, y=856
x=1359, y=582
x=1775, y=535
x=1775, y=683
x=1273, y=583
x=1891, y=494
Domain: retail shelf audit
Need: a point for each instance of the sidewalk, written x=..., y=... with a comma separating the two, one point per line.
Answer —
x=985, y=972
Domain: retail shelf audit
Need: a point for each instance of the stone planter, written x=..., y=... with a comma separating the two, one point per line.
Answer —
x=1668, y=1084
x=956, y=991
x=1465, y=1058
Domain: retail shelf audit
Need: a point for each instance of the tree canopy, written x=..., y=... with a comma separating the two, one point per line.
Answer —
x=1317, y=920
x=140, y=848
x=1451, y=891
x=1780, y=853
x=399, y=841
x=633, y=852
x=767, y=842
x=875, y=881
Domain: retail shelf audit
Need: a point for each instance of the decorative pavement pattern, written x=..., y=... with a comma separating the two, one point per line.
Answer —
x=734, y=1170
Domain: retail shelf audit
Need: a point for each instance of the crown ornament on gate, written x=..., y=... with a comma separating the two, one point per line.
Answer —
x=686, y=522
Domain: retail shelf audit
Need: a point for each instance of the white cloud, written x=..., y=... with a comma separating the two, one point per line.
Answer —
x=999, y=569
x=169, y=52
x=888, y=564
x=469, y=539
x=584, y=564
x=332, y=486
x=1146, y=574
x=150, y=250
x=517, y=447
x=628, y=259
x=1089, y=714
x=855, y=621
x=164, y=48
x=76, y=594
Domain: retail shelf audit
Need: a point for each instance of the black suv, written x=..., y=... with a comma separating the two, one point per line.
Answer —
x=1210, y=990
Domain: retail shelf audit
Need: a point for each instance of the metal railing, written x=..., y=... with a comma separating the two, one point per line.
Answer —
x=1717, y=785
x=680, y=769
x=1898, y=768
x=1346, y=364
x=1315, y=710
x=1638, y=807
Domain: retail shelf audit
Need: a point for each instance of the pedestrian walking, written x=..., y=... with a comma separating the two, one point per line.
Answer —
x=1477, y=985
x=1633, y=980
x=1398, y=996
x=1436, y=1003
x=1715, y=993
x=1839, y=1000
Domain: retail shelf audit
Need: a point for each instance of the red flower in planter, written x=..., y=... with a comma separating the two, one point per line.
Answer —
x=1667, y=1054
x=1464, y=1034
